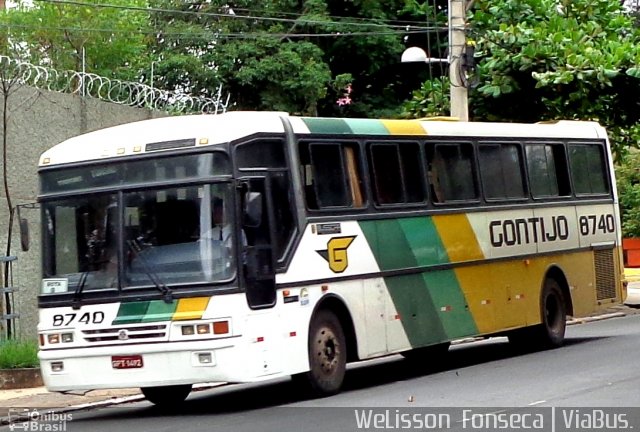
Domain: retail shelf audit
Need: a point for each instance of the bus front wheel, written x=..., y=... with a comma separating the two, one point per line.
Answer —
x=327, y=355
x=167, y=396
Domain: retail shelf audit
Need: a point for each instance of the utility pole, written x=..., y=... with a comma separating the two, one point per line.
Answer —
x=457, y=45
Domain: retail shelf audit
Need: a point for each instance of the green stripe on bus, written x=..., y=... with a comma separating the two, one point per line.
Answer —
x=418, y=316
x=444, y=287
x=451, y=304
x=367, y=126
x=145, y=311
x=327, y=125
x=159, y=310
x=424, y=241
x=431, y=305
x=389, y=244
x=131, y=312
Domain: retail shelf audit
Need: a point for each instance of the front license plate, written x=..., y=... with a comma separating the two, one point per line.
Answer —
x=127, y=362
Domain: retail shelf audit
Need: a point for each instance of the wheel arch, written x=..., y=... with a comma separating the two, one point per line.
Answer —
x=335, y=304
x=554, y=272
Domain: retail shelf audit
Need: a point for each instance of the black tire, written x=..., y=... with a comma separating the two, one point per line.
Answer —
x=430, y=355
x=167, y=396
x=553, y=313
x=327, y=356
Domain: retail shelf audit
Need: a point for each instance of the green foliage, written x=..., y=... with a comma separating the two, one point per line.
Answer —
x=549, y=59
x=431, y=100
x=50, y=34
x=544, y=59
x=282, y=58
x=18, y=354
x=628, y=180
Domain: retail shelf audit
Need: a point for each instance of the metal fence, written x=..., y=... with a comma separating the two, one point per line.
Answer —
x=110, y=89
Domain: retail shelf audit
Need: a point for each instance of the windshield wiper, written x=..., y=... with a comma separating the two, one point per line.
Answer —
x=77, y=294
x=153, y=276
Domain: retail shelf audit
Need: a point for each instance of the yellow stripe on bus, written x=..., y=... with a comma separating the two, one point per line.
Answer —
x=458, y=238
x=404, y=127
x=191, y=308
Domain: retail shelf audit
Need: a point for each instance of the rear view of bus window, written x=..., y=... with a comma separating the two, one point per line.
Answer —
x=588, y=169
x=501, y=171
x=451, y=174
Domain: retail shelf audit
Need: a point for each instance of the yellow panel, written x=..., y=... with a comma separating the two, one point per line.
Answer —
x=404, y=127
x=506, y=294
x=191, y=308
x=476, y=284
x=458, y=238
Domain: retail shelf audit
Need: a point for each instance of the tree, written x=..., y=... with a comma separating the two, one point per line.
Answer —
x=297, y=57
x=549, y=59
x=108, y=41
x=628, y=180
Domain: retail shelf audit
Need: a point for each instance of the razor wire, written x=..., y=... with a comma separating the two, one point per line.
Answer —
x=110, y=89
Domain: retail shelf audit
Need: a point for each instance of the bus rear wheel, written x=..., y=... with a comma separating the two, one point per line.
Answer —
x=167, y=396
x=553, y=311
x=554, y=315
x=327, y=356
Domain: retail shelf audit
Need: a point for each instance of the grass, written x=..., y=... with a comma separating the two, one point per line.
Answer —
x=18, y=354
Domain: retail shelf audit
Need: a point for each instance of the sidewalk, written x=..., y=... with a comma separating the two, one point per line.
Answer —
x=40, y=399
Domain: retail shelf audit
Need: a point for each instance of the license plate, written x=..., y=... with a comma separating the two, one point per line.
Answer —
x=126, y=362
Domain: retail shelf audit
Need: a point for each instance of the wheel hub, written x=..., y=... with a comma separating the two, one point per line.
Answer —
x=328, y=351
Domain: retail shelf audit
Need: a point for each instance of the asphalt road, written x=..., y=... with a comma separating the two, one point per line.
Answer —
x=597, y=367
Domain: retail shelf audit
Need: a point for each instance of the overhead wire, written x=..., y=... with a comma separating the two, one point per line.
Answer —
x=227, y=15
x=242, y=35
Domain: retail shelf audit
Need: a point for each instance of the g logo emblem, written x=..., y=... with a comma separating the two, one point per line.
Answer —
x=336, y=253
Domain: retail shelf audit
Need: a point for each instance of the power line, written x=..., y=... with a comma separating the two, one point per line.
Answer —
x=398, y=23
x=243, y=35
x=218, y=15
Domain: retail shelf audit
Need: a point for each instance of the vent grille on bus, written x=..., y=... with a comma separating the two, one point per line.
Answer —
x=605, y=274
x=165, y=145
x=128, y=333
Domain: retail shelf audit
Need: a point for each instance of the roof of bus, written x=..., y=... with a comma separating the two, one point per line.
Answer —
x=131, y=138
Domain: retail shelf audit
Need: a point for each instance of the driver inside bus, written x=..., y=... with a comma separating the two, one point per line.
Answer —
x=221, y=227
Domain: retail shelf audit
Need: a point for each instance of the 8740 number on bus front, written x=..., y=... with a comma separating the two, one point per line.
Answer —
x=96, y=317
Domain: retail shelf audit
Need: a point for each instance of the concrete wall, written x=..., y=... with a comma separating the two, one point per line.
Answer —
x=38, y=120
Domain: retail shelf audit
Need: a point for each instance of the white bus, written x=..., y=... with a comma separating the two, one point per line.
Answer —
x=248, y=246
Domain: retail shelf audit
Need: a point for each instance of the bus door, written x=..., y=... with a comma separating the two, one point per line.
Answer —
x=256, y=241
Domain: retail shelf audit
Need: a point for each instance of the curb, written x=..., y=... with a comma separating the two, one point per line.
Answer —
x=98, y=404
x=596, y=318
x=19, y=378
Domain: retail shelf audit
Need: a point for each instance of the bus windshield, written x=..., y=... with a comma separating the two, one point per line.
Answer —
x=175, y=235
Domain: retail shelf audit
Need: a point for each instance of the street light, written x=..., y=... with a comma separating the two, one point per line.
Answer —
x=457, y=44
x=418, y=55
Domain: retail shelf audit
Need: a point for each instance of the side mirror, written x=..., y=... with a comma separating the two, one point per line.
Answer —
x=252, y=209
x=24, y=234
x=23, y=224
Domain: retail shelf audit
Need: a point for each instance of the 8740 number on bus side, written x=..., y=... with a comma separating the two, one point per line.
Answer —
x=596, y=224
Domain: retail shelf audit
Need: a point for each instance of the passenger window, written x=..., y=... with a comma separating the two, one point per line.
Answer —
x=588, y=169
x=331, y=174
x=501, y=171
x=547, y=166
x=396, y=173
x=451, y=172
